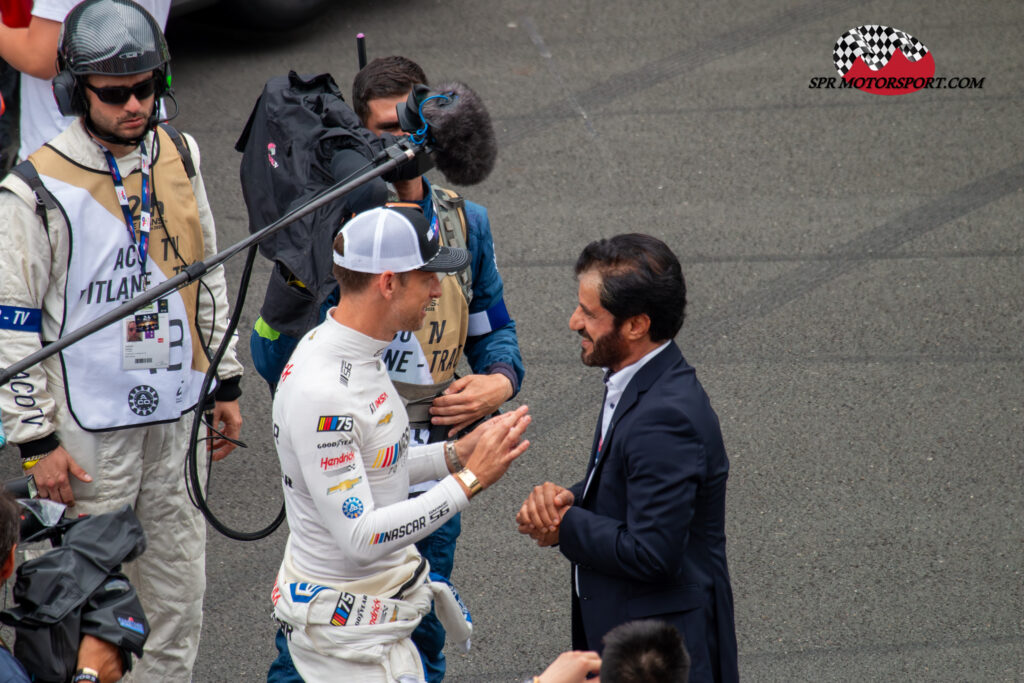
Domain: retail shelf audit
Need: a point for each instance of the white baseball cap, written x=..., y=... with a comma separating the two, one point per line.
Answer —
x=399, y=238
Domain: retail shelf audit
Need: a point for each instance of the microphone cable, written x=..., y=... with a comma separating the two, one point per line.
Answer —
x=201, y=415
x=192, y=479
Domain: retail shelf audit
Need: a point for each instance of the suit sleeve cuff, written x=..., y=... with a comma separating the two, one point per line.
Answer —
x=229, y=389
x=33, y=449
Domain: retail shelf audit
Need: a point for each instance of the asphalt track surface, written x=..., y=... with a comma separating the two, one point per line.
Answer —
x=856, y=291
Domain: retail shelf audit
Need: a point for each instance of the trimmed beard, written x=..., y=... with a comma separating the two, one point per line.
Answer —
x=607, y=349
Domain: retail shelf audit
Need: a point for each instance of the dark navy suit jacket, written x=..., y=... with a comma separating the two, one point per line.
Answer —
x=646, y=536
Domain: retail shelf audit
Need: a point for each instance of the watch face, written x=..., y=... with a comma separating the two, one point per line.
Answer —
x=470, y=480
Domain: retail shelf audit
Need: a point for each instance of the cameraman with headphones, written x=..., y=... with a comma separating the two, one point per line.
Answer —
x=98, y=660
x=109, y=207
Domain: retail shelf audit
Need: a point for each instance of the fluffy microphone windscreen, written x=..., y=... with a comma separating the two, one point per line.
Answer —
x=461, y=134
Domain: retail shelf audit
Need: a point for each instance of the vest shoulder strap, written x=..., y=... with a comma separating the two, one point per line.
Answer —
x=451, y=203
x=451, y=216
x=45, y=201
x=183, y=151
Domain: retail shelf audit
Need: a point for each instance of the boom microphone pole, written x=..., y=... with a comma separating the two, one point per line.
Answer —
x=403, y=151
x=398, y=154
x=450, y=128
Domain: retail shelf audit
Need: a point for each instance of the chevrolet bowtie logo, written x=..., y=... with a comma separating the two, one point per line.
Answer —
x=344, y=485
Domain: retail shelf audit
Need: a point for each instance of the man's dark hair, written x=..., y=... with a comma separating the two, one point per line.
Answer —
x=354, y=281
x=642, y=651
x=10, y=522
x=639, y=275
x=384, y=77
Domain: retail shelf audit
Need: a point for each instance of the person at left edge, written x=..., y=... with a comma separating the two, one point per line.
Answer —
x=96, y=432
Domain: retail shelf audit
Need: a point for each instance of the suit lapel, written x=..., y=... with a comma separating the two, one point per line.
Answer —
x=645, y=377
x=597, y=458
x=597, y=437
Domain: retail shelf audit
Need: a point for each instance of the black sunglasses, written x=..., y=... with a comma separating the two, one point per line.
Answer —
x=119, y=94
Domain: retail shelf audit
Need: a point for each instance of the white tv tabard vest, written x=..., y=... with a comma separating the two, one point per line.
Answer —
x=103, y=272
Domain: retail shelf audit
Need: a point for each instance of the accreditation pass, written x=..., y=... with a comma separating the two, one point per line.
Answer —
x=145, y=338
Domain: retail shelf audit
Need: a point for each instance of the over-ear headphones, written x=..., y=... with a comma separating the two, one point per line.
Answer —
x=68, y=90
x=64, y=91
x=113, y=38
x=70, y=102
x=163, y=82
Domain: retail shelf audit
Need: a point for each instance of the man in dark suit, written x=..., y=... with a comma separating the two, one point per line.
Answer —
x=645, y=529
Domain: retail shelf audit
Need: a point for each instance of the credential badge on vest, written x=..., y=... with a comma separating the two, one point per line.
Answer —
x=143, y=400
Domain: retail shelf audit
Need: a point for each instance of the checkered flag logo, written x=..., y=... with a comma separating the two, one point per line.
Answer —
x=875, y=45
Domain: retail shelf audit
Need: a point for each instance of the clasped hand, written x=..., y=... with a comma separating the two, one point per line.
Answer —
x=541, y=514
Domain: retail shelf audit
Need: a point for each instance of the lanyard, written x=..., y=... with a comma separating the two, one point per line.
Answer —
x=144, y=208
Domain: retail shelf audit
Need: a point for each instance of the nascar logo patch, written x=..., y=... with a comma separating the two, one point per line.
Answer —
x=387, y=456
x=334, y=423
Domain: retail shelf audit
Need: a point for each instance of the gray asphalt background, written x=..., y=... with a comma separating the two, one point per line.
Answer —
x=854, y=265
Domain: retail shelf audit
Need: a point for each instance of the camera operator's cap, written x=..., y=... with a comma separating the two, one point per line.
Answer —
x=399, y=238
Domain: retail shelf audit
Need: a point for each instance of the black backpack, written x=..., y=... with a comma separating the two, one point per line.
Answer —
x=294, y=132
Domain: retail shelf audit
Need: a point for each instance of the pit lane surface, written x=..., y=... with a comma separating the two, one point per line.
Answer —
x=854, y=265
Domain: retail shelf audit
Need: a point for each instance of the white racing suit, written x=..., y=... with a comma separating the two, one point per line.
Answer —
x=342, y=437
x=124, y=427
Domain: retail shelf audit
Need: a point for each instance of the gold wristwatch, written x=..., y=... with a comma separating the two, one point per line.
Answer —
x=470, y=481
